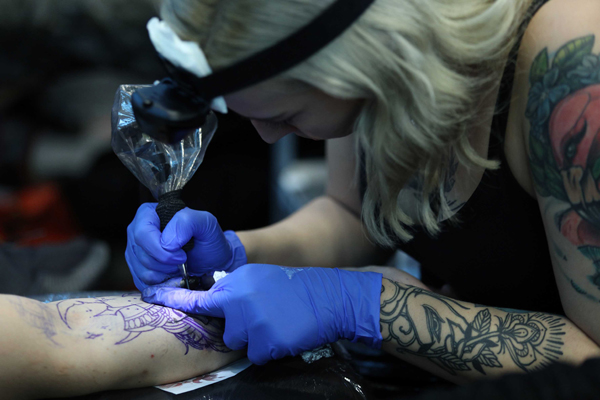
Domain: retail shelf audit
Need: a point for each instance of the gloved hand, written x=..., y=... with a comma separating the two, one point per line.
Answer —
x=278, y=311
x=153, y=257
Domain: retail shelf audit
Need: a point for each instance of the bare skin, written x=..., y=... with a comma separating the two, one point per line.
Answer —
x=80, y=346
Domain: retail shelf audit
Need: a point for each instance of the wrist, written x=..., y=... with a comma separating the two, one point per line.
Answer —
x=248, y=241
x=362, y=307
x=238, y=252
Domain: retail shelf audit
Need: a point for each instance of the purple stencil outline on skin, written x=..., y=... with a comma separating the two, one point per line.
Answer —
x=37, y=316
x=200, y=333
x=93, y=335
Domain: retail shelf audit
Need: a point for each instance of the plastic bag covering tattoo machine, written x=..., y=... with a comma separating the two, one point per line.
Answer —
x=161, y=131
x=163, y=167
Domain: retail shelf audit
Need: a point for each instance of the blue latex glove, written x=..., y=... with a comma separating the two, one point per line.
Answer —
x=153, y=257
x=278, y=311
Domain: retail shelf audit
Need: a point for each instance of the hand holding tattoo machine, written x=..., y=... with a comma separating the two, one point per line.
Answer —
x=161, y=131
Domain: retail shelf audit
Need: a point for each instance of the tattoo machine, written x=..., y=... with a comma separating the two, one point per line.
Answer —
x=164, y=167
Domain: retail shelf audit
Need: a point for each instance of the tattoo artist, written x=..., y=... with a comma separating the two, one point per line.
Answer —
x=418, y=160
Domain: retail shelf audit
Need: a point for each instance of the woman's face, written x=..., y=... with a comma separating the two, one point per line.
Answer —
x=276, y=112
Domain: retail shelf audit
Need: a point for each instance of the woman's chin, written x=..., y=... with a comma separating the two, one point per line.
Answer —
x=305, y=136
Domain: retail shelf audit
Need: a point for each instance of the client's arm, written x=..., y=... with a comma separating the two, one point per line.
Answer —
x=79, y=346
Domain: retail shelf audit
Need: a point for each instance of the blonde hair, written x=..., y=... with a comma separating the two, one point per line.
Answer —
x=422, y=66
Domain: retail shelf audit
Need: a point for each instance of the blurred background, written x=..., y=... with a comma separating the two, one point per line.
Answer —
x=65, y=198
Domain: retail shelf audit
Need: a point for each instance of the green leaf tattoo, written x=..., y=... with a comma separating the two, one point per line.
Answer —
x=571, y=54
x=539, y=67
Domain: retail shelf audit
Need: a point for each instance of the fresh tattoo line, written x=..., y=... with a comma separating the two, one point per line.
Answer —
x=563, y=110
x=424, y=324
x=138, y=317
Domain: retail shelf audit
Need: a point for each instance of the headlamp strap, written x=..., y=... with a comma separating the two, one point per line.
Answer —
x=285, y=54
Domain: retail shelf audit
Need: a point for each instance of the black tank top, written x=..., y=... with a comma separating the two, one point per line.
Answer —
x=497, y=255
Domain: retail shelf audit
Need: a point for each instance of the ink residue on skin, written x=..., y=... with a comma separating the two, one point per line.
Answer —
x=37, y=315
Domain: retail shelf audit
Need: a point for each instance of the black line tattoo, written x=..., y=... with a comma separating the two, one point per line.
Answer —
x=415, y=184
x=138, y=317
x=425, y=324
x=449, y=183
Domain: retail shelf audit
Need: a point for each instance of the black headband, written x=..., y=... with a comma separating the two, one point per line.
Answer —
x=177, y=106
x=285, y=54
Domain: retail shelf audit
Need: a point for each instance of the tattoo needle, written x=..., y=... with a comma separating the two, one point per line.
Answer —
x=183, y=270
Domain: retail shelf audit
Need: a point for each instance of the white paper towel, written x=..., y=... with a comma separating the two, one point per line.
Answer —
x=207, y=379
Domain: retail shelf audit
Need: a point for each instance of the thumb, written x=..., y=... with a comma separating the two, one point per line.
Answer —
x=235, y=337
x=178, y=231
x=189, y=301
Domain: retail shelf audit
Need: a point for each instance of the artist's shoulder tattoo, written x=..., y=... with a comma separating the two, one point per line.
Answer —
x=563, y=111
x=424, y=324
x=137, y=317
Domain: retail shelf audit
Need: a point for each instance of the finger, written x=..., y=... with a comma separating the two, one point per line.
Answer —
x=173, y=282
x=145, y=232
x=257, y=353
x=147, y=212
x=235, y=336
x=139, y=284
x=195, y=302
x=153, y=265
x=188, y=224
x=148, y=277
x=262, y=345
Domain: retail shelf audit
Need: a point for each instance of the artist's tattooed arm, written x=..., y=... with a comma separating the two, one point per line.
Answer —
x=556, y=106
x=563, y=112
x=460, y=340
x=77, y=346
